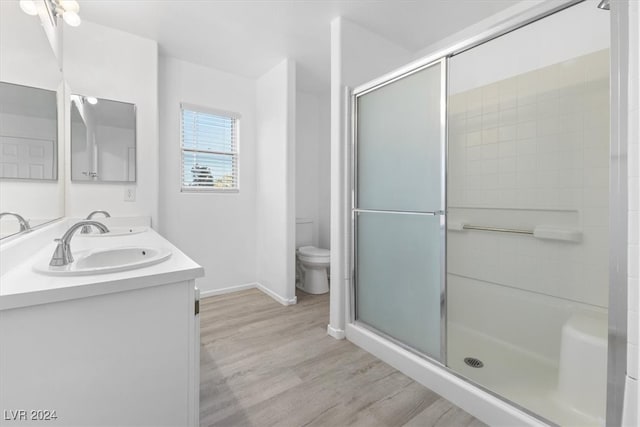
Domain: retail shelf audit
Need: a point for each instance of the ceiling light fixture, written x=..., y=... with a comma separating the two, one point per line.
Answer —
x=91, y=100
x=67, y=9
x=28, y=7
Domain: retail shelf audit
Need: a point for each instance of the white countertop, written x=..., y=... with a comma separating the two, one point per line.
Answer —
x=21, y=286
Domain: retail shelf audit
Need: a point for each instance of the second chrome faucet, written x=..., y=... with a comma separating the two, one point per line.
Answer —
x=24, y=224
x=87, y=229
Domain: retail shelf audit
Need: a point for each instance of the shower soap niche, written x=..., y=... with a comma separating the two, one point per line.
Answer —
x=554, y=233
x=455, y=226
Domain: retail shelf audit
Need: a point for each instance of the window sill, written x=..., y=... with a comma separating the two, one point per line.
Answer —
x=209, y=190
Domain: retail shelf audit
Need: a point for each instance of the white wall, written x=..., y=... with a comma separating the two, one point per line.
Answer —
x=324, y=172
x=307, y=166
x=217, y=230
x=357, y=56
x=365, y=55
x=275, y=193
x=246, y=238
x=106, y=63
x=313, y=164
x=26, y=59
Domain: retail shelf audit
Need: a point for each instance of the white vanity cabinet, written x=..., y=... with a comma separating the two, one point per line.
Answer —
x=117, y=349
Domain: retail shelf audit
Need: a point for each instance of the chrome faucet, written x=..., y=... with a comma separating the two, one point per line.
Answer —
x=87, y=229
x=24, y=224
x=62, y=255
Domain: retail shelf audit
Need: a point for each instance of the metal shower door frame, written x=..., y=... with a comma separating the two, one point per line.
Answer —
x=356, y=94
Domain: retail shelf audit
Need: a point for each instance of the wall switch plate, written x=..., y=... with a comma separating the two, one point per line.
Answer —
x=130, y=194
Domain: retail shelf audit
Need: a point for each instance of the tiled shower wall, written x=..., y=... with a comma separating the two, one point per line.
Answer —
x=529, y=151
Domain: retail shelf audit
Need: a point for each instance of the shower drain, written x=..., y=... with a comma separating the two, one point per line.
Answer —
x=473, y=362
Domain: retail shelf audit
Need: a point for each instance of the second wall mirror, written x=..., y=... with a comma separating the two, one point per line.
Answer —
x=103, y=140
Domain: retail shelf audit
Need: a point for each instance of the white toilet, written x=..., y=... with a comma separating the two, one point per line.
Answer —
x=311, y=262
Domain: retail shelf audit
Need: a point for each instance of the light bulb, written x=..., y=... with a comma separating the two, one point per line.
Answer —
x=28, y=7
x=92, y=100
x=70, y=5
x=71, y=18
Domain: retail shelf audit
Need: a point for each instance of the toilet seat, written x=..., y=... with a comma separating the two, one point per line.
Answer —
x=313, y=252
x=314, y=255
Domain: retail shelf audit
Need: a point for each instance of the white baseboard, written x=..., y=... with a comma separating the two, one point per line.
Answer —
x=259, y=286
x=228, y=290
x=275, y=296
x=335, y=333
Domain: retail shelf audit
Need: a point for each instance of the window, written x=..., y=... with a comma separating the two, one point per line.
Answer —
x=209, y=141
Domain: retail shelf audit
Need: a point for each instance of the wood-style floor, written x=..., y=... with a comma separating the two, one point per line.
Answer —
x=263, y=364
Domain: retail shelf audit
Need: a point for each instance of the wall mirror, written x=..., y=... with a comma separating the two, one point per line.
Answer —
x=103, y=140
x=31, y=183
x=28, y=132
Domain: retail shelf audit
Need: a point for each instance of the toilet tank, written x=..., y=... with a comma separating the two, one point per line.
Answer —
x=304, y=232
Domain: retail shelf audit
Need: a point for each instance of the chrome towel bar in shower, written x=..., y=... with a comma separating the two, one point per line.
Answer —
x=544, y=232
x=498, y=229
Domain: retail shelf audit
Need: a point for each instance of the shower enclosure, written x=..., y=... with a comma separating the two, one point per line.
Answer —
x=480, y=213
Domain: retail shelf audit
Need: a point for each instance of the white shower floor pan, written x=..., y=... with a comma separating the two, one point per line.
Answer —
x=514, y=374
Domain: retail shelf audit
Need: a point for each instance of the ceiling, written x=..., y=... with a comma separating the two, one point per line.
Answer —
x=248, y=37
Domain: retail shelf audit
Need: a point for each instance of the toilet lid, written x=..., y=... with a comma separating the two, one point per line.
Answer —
x=313, y=251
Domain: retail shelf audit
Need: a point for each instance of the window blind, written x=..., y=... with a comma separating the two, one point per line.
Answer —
x=209, y=150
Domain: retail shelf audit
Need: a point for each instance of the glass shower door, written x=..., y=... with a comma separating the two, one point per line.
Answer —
x=399, y=208
x=528, y=214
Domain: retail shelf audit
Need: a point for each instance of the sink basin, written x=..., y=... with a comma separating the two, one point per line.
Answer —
x=114, y=232
x=98, y=261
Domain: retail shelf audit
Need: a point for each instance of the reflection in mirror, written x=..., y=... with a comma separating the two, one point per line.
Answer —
x=28, y=132
x=103, y=140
